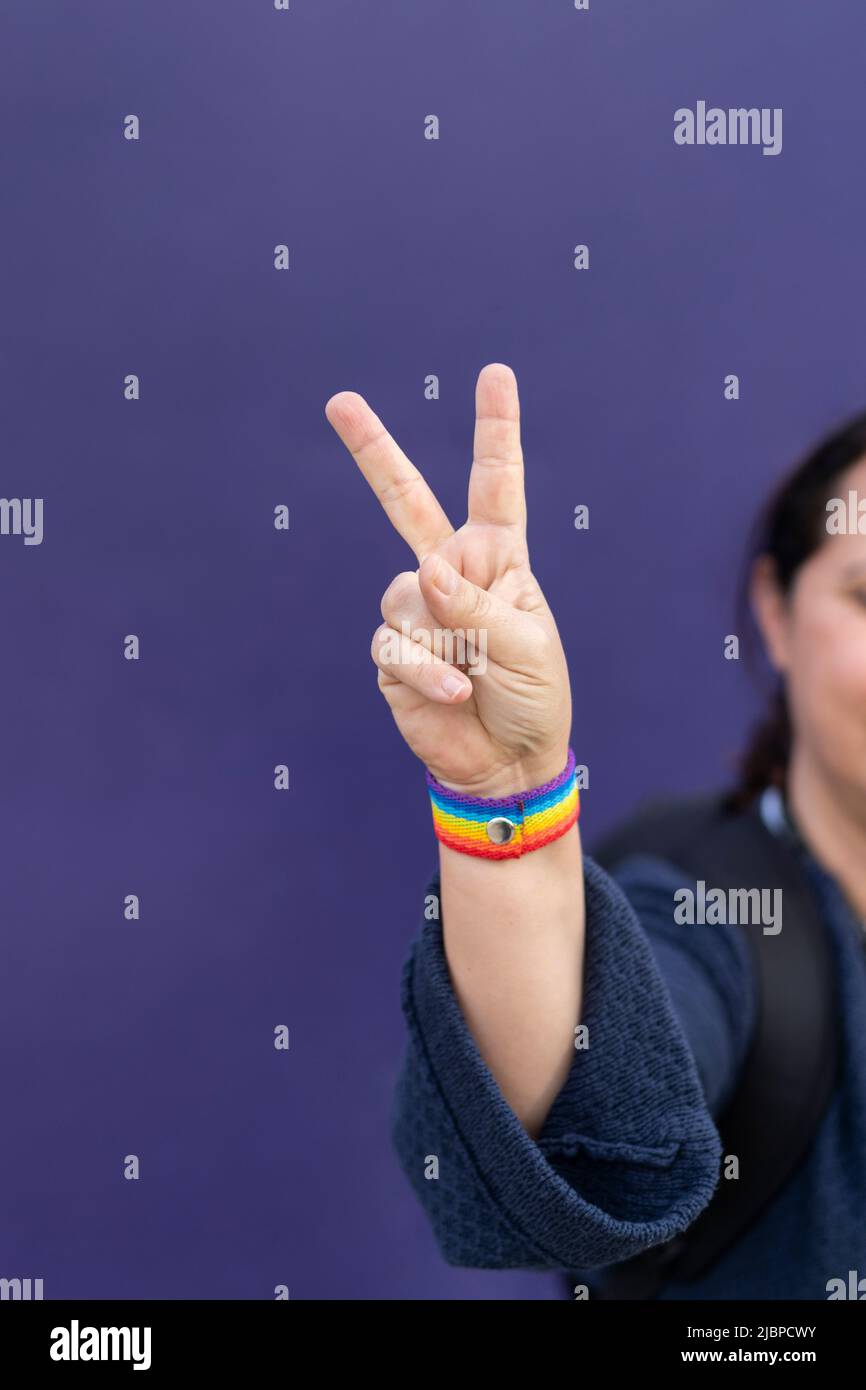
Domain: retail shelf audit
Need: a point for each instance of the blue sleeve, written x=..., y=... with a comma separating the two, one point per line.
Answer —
x=708, y=972
x=629, y=1154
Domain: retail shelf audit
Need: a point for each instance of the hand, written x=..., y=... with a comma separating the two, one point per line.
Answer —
x=507, y=728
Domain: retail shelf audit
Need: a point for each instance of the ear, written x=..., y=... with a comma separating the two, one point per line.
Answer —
x=770, y=607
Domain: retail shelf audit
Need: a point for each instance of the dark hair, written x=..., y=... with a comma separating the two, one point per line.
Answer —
x=790, y=529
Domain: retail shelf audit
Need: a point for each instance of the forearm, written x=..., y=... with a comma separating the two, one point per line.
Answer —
x=514, y=939
x=628, y=1155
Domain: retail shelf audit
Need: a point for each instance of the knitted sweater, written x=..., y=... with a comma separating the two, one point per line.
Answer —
x=629, y=1154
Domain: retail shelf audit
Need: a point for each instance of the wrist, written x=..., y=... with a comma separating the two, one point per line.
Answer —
x=511, y=778
x=508, y=825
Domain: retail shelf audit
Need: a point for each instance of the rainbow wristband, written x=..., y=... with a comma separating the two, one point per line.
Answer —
x=505, y=827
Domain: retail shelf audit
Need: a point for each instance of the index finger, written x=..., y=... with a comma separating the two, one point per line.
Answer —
x=408, y=502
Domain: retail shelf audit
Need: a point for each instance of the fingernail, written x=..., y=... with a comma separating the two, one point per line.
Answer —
x=445, y=577
x=452, y=685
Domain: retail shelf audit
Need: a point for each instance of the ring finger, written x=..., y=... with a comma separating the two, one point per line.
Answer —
x=410, y=663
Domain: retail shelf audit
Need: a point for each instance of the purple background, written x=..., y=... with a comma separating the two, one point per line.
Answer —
x=408, y=257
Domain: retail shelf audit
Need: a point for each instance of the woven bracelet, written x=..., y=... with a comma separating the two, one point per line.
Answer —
x=505, y=827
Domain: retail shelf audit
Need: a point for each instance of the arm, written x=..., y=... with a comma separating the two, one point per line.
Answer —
x=513, y=934
x=514, y=928
x=555, y=1156
x=628, y=1154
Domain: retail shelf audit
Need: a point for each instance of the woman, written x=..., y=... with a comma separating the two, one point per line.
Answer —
x=572, y=1044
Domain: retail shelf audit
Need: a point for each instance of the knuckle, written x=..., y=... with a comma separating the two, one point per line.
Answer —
x=400, y=488
x=539, y=644
x=480, y=603
x=387, y=685
x=377, y=642
x=399, y=594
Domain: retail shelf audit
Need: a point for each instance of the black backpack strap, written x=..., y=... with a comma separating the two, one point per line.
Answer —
x=789, y=1073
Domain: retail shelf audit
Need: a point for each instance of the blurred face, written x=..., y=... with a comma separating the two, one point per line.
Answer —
x=816, y=638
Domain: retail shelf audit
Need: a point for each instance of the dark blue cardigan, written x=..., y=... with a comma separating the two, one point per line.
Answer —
x=629, y=1154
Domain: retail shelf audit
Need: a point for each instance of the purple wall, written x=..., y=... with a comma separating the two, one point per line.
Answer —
x=408, y=257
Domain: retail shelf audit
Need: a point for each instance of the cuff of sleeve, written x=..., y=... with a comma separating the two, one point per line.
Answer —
x=628, y=1156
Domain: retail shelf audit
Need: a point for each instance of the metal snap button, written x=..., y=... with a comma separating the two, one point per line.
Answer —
x=500, y=830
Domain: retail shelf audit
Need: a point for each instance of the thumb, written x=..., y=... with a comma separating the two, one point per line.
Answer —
x=487, y=623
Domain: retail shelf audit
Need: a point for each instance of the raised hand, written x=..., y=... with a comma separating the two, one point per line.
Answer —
x=507, y=728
